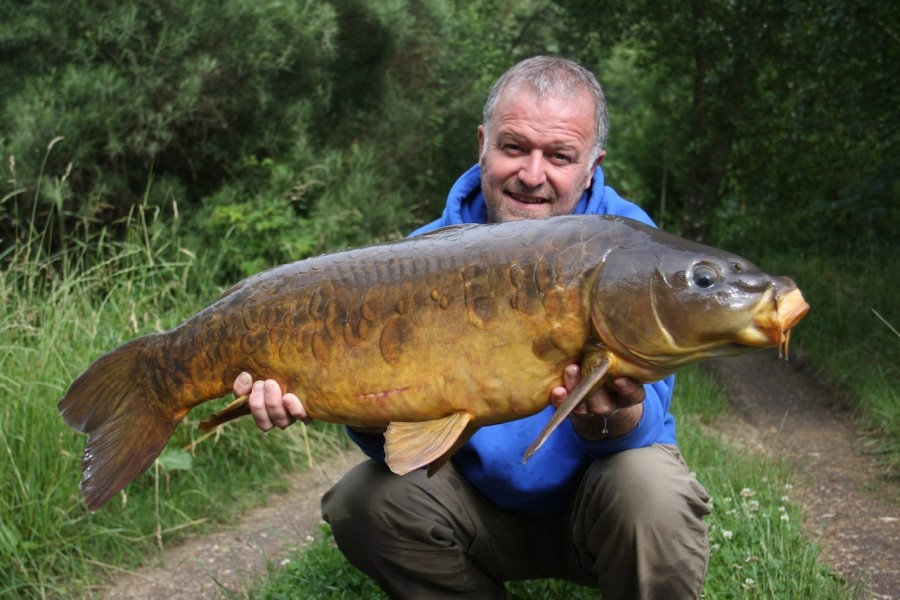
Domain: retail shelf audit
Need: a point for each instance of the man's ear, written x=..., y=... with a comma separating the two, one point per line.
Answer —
x=480, y=142
x=590, y=180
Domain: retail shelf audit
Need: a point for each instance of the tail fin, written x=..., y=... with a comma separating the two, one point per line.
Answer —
x=128, y=422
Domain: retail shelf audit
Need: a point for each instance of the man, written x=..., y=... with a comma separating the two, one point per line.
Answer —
x=607, y=502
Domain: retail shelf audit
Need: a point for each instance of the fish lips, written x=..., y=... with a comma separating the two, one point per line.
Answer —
x=774, y=320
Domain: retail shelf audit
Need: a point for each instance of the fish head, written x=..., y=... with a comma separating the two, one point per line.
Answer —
x=665, y=302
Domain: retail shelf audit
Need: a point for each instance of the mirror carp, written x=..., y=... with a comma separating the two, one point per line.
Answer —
x=434, y=337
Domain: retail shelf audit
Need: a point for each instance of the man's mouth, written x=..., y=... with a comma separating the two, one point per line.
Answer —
x=526, y=199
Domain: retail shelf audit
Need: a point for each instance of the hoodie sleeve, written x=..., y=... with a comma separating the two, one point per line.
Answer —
x=372, y=445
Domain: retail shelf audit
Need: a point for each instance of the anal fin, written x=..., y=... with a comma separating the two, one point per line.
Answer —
x=408, y=446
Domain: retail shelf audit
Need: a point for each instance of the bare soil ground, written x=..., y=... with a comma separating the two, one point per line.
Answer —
x=783, y=409
x=225, y=564
x=787, y=410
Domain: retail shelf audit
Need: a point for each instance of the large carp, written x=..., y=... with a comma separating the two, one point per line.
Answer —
x=435, y=336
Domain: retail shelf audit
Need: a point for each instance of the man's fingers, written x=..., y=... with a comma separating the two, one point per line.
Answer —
x=257, y=402
x=270, y=407
x=571, y=377
x=599, y=403
x=295, y=408
x=629, y=391
x=274, y=401
x=558, y=395
x=243, y=384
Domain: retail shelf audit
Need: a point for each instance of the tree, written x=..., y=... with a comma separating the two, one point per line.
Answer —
x=767, y=93
x=129, y=90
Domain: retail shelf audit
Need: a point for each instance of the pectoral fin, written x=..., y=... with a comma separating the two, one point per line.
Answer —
x=576, y=396
x=408, y=446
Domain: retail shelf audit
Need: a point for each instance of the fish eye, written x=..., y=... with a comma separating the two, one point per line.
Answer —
x=704, y=276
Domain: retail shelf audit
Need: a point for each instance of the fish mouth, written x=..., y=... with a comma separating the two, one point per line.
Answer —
x=772, y=324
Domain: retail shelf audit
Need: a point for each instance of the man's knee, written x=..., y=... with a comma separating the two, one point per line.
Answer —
x=639, y=515
x=411, y=533
x=646, y=484
x=369, y=503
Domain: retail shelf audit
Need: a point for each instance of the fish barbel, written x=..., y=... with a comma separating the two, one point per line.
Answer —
x=434, y=336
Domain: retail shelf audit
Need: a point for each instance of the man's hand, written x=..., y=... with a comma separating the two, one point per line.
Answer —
x=269, y=407
x=617, y=408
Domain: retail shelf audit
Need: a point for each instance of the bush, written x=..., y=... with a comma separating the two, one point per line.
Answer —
x=131, y=89
x=280, y=211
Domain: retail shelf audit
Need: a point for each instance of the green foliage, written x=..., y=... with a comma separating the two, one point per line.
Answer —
x=318, y=570
x=60, y=312
x=178, y=89
x=446, y=57
x=744, y=105
x=276, y=212
x=152, y=152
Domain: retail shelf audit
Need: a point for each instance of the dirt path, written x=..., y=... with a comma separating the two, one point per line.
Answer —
x=783, y=410
x=222, y=565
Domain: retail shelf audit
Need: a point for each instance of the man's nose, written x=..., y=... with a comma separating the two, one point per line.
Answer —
x=532, y=172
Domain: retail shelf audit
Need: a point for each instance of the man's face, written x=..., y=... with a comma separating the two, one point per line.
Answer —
x=534, y=161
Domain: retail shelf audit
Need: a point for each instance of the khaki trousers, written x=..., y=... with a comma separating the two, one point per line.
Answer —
x=635, y=530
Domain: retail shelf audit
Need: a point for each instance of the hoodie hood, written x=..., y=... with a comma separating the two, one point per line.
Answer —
x=465, y=202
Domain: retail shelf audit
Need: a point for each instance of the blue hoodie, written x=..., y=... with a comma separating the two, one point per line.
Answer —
x=492, y=459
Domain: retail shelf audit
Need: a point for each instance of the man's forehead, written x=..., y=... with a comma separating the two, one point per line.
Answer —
x=522, y=97
x=526, y=113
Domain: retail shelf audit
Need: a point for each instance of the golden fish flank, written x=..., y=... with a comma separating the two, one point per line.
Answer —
x=434, y=336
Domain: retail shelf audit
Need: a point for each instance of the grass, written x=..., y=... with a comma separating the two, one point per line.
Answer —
x=61, y=312
x=851, y=335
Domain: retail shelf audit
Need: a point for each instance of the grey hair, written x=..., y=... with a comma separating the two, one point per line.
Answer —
x=552, y=77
